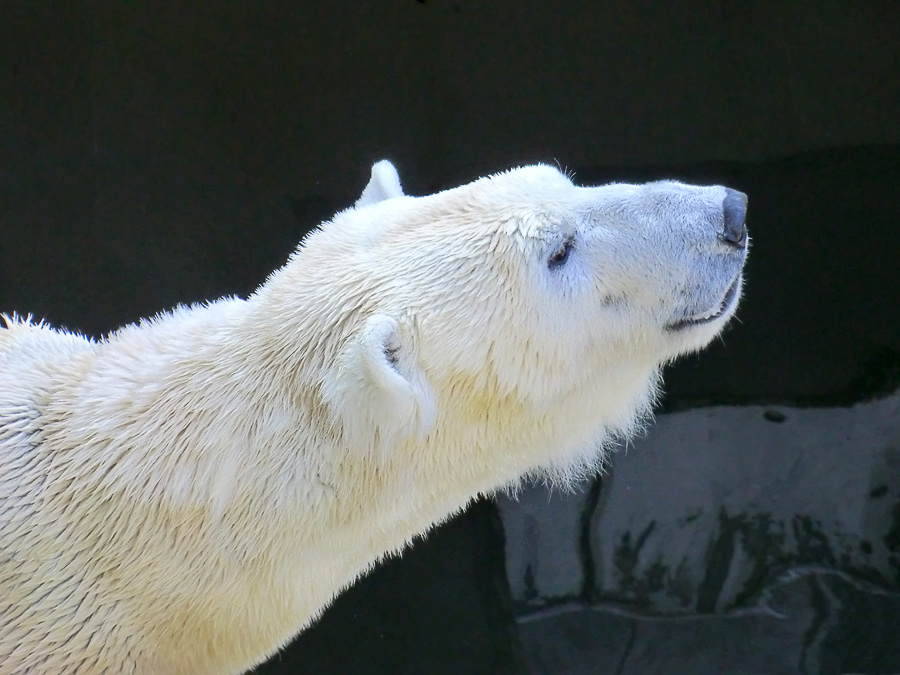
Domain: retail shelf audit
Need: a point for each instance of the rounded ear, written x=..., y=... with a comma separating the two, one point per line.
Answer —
x=376, y=390
x=384, y=184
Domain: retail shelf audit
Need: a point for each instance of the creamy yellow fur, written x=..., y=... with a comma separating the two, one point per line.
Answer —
x=189, y=493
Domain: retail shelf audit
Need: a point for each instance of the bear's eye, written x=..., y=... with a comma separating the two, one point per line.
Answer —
x=559, y=256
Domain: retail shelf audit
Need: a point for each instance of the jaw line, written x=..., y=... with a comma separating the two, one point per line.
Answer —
x=726, y=303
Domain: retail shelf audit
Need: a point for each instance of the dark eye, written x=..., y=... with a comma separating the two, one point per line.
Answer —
x=560, y=255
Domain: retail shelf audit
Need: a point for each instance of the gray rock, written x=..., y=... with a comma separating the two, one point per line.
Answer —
x=713, y=506
x=820, y=623
x=544, y=543
x=716, y=503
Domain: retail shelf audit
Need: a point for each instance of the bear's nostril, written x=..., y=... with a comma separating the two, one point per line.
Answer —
x=735, y=211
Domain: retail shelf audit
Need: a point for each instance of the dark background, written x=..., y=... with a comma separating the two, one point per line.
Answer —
x=170, y=152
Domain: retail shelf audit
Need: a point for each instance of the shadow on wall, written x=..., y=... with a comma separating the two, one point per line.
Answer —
x=443, y=609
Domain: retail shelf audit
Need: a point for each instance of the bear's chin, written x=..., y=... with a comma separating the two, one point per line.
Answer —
x=716, y=315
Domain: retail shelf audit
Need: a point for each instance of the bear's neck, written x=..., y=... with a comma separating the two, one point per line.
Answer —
x=213, y=412
x=209, y=421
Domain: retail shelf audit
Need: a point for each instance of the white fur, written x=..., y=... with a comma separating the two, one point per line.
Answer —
x=189, y=493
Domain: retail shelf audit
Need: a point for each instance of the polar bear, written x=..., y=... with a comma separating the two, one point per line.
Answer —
x=188, y=493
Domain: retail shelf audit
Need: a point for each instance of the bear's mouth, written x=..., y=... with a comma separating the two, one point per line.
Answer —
x=716, y=312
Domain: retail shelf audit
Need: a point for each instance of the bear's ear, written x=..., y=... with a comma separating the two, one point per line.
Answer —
x=376, y=390
x=384, y=184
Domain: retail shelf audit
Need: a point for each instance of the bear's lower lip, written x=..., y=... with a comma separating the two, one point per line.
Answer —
x=723, y=306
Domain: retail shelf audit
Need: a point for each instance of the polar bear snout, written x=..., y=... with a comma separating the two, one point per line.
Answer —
x=734, y=209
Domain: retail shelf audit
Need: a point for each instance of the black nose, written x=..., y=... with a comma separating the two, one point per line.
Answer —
x=735, y=209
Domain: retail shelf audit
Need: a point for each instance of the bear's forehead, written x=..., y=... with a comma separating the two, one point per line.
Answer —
x=474, y=222
x=526, y=185
x=522, y=202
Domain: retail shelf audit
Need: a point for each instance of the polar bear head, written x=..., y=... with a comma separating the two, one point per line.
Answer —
x=519, y=320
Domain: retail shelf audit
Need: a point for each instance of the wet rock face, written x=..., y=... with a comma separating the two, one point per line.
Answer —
x=714, y=505
x=815, y=622
x=711, y=515
x=747, y=499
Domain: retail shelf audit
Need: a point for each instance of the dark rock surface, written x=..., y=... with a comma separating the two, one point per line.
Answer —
x=694, y=534
x=810, y=623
